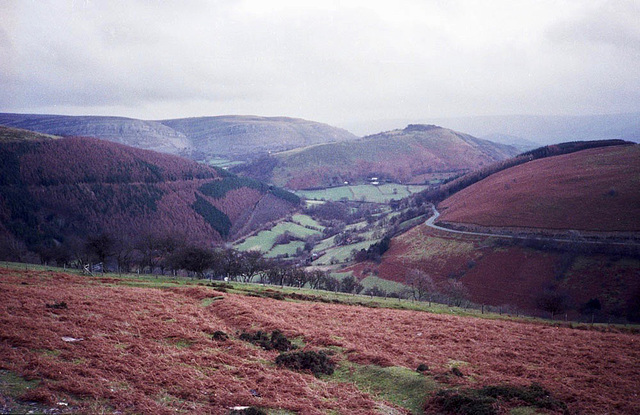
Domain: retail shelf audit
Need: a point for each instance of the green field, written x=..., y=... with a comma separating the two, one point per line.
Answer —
x=306, y=221
x=265, y=240
x=365, y=192
x=222, y=162
x=289, y=249
x=342, y=253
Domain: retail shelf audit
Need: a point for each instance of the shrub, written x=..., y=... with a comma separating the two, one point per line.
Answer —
x=220, y=336
x=277, y=341
x=316, y=362
x=252, y=410
x=422, y=368
x=486, y=401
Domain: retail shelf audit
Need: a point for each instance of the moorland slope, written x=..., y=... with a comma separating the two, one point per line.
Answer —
x=162, y=348
x=590, y=190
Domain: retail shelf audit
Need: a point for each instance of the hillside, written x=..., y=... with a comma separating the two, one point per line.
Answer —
x=589, y=194
x=96, y=345
x=413, y=154
x=237, y=135
x=148, y=135
x=56, y=190
x=8, y=134
x=200, y=138
x=590, y=190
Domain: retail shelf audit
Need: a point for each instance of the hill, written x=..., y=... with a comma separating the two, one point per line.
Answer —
x=590, y=190
x=583, y=197
x=539, y=129
x=8, y=134
x=200, y=138
x=239, y=136
x=148, y=135
x=96, y=345
x=53, y=191
x=412, y=154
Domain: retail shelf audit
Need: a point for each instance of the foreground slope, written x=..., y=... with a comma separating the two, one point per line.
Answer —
x=591, y=190
x=408, y=155
x=151, y=350
x=73, y=187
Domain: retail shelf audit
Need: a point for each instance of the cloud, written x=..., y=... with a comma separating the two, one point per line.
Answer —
x=326, y=60
x=615, y=23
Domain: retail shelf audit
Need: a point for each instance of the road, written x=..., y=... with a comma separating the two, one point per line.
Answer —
x=431, y=223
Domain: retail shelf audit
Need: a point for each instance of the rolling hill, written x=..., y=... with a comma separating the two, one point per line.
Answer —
x=56, y=190
x=238, y=136
x=590, y=190
x=590, y=194
x=408, y=155
x=200, y=138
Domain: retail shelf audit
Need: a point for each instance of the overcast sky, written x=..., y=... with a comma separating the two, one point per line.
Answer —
x=339, y=62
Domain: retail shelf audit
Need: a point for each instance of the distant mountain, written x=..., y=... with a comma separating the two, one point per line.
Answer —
x=541, y=129
x=54, y=190
x=148, y=135
x=407, y=155
x=236, y=135
x=199, y=138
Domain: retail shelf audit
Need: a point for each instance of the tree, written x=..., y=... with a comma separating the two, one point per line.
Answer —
x=251, y=263
x=315, y=279
x=553, y=302
x=350, y=285
x=275, y=273
x=421, y=284
x=456, y=292
x=101, y=247
x=296, y=277
x=195, y=259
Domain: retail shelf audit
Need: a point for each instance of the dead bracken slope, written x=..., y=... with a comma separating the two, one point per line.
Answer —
x=149, y=350
x=595, y=190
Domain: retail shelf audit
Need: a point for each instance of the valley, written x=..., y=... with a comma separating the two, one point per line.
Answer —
x=421, y=232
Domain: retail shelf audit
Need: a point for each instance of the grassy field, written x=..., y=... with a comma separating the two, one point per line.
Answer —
x=341, y=253
x=306, y=221
x=366, y=192
x=264, y=241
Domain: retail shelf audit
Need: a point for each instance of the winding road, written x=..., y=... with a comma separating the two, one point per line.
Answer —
x=431, y=223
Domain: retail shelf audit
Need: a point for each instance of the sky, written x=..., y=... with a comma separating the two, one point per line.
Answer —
x=345, y=63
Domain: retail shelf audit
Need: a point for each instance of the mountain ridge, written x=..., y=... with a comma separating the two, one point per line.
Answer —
x=403, y=155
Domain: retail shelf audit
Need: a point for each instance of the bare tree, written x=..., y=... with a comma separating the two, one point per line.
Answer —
x=421, y=284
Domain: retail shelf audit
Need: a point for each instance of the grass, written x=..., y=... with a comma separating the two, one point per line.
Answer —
x=342, y=253
x=264, y=241
x=365, y=192
x=386, y=285
x=307, y=221
x=398, y=385
x=167, y=281
x=13, y=385
x=289, y=249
